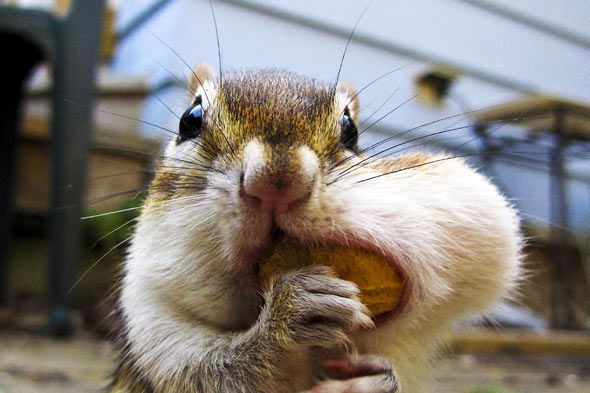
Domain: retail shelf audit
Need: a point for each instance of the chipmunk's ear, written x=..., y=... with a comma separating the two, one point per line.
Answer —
x=201, y=73
x=351, y=99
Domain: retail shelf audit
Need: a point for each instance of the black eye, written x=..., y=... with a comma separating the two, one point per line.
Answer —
x=191, y=122
x=349, y=134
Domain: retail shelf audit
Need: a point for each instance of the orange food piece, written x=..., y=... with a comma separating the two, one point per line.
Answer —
x=379, y=283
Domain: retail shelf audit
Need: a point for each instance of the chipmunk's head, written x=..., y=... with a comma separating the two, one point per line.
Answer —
x=258, y=143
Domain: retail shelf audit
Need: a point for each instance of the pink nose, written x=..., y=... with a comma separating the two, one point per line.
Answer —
x=266, y=195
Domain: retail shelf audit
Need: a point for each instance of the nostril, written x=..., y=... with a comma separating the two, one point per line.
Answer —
x=252, y=200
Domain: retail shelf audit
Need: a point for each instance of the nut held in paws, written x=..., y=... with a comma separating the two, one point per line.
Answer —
x=380, y=285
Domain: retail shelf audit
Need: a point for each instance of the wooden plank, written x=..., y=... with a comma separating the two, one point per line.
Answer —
x=35, y=129
x=118, y=162
x=108, y=174
x=538, y=114
x=554, y=342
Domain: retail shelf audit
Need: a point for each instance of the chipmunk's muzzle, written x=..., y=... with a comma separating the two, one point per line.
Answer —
x=277, y=179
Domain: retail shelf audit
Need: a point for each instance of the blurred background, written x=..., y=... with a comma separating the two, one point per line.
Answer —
x=90, y=86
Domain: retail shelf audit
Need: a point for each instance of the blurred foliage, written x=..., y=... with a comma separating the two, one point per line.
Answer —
x=111, y=228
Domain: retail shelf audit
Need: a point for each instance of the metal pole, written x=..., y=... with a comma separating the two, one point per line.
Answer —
x=562, y=313
x=78, y=42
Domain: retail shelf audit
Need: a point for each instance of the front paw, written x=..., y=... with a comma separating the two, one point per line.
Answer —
x=359, y=374
x=312, y=307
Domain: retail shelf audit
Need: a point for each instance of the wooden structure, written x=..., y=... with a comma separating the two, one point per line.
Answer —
x=564, y=123
x=38, y=35
x=518, y=341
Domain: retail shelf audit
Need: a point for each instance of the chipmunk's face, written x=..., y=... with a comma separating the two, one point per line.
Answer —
x=257, y=146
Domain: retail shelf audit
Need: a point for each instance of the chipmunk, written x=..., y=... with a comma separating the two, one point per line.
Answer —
x=268, y=153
